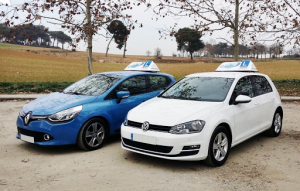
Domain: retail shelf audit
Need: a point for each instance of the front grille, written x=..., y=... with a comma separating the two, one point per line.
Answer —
x=151, y=127
x=38, y=136
x=148, y=147
x=181, y=154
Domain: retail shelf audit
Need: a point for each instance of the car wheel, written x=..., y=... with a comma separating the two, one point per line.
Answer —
x=275, y=129
x=92, y=134
x=219, y=147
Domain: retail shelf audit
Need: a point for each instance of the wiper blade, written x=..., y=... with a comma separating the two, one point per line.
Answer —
x=167, y=97
x=74, y=93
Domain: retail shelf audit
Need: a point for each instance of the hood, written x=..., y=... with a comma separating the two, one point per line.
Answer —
x=170, y=112
x=55, y=102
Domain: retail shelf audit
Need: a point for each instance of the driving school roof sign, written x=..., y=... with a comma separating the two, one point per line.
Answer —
x=148, y=66
x=244, y=66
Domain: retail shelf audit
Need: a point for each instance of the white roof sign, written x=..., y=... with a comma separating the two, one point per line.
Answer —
x=148, y=66
x=244, y=66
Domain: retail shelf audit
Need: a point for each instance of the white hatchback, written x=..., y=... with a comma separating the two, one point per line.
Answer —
x=203, y=115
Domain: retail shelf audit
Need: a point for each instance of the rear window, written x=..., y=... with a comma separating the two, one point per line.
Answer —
x=158, y=82
x=261, y=85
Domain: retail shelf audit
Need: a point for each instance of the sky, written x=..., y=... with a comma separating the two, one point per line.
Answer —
x=140, y=39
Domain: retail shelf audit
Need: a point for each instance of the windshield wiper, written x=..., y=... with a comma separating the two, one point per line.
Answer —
x=74, y=93
x=167, y=97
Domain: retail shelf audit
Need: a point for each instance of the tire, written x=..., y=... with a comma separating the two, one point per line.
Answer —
x=92, y=134
x=276, y=127
x=219, y=147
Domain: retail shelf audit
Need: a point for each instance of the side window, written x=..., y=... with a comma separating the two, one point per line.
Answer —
x=158, y=82
x=243, y=87
x=135, y=85
x=261, y=85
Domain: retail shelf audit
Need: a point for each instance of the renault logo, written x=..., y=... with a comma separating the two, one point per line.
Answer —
x=26, y=118
x=145, y=126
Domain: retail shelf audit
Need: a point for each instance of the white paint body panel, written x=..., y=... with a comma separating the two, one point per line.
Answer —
x=245, y=120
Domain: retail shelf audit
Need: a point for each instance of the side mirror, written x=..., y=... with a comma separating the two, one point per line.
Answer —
x=242, y=99
x=122, y=95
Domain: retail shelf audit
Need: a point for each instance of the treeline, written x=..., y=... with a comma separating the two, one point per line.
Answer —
x=256, y=51
x=33, y=35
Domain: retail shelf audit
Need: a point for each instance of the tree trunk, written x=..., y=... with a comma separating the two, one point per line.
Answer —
x=124, y=49
x=89, y=33
x=108, y=46
x=62, y=45
x=236, y=31
x=191, y=55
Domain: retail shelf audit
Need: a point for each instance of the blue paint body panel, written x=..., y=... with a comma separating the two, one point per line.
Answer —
x=92, y=106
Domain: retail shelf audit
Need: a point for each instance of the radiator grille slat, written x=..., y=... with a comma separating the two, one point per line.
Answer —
x=151, y=126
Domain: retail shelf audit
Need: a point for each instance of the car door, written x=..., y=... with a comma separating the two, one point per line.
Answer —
x=263, y=91
x=246, y=115
x=138, y=88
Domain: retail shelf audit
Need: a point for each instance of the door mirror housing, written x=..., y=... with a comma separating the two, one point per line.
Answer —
x=242, y=99
x=122, y=95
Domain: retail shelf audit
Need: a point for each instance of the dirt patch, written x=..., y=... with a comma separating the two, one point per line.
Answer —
x=260, y=163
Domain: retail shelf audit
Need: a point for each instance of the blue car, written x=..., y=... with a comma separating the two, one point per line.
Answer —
x=89, y=110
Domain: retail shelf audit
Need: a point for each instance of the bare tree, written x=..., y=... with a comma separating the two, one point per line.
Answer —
x=275, y=50
x=208, y=13
x=148, y=52
x=82, y=18
x=158, y=53
x=281, y=21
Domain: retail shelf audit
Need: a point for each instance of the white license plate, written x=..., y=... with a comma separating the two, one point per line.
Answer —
x=27, y=138
x=143, y=139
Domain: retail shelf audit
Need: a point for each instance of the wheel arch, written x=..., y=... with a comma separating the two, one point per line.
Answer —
x=280, y=110
x=97, y=117
x=228, y=128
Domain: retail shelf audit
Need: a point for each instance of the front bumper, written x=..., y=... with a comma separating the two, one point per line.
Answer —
x=60, y=133
x=165, y=145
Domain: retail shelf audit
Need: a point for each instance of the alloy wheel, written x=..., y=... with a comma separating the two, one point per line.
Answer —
x=94, y=135
x=220, y=146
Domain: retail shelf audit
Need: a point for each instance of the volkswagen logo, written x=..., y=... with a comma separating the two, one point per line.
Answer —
x=145, y=126
x=27, y=118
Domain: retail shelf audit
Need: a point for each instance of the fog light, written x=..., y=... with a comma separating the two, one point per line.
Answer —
x=46, y=137
x=191, y=147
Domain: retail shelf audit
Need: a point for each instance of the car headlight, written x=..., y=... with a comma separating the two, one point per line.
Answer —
x=188, y=127
x=125, y=123
x=66, y=115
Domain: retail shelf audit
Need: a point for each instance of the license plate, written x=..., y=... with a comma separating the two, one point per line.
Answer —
x=143, y=139
x=27, y=138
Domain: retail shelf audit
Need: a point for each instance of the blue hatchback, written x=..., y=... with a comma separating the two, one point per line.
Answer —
x=89, y=110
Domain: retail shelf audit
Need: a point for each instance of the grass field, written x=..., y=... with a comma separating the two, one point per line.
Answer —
x=33, y=64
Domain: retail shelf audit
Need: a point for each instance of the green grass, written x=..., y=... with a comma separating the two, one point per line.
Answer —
x=38, y=70
x=31, y=87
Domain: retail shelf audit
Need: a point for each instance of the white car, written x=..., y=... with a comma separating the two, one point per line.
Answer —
x=203, y=115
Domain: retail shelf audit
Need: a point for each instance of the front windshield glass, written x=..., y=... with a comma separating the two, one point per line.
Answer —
x=200, y=88
x=93, y=85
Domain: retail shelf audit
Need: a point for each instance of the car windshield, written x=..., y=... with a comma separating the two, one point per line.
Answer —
x=93, y=85
x=200, y=88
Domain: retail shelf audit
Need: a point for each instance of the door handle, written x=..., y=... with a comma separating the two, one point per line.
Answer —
x=257, y=103
x=272, y=98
